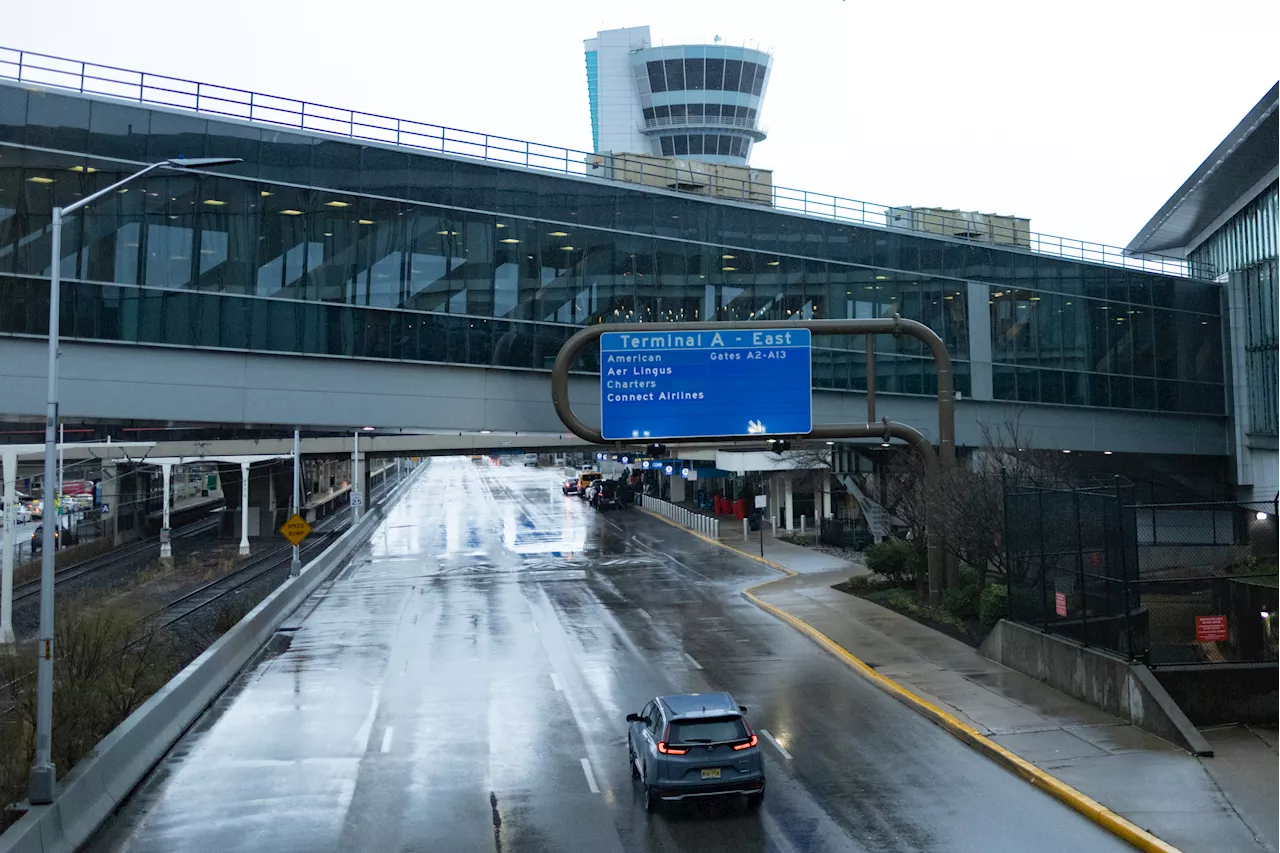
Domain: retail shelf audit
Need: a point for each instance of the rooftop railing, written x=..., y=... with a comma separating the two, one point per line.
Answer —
x=160, y=90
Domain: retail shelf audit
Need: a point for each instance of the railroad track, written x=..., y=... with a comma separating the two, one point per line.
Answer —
x=117, y=557
x=196, y=600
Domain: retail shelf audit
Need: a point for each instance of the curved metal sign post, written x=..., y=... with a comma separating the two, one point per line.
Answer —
x=895, y=326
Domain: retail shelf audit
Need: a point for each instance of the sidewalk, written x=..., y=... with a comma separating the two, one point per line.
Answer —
x=1211, y=805
x=793, y=558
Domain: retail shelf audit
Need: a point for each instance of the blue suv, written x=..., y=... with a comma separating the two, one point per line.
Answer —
x=695, y=745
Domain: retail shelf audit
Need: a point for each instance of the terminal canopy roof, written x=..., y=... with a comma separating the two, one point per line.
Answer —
x=1246, y=159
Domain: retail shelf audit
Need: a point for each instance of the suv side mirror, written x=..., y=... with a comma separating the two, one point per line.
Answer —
x=742, y=708
x=633, y=718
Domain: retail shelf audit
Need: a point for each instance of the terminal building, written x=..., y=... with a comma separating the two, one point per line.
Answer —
x=1223, y=218
x=354, y=268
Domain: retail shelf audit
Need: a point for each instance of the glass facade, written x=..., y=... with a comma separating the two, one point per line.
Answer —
x=324, y=246
x=1261, y=284
x=1066, y=347
x=1245, y=248
x=1246, y=239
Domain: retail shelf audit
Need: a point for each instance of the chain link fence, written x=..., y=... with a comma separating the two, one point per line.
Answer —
x=1073, y=564
x=1208, y=581
x=1166, y=584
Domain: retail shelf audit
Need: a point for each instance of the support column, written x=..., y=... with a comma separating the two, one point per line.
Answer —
x=166, y=550
x=244, y=509
x=6, y=583
x=788, y=501
x=295, y=565
x=775, y=500
x=677, y=487
x=978, y=298
x=826, y=496
x=357, y=486
x=109, y=512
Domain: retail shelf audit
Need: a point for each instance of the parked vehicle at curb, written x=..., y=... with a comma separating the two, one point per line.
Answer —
x=611, y=494
x=585, y=479
x=695, y=745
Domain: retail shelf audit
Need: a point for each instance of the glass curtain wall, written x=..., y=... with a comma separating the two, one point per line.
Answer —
x=402, y=255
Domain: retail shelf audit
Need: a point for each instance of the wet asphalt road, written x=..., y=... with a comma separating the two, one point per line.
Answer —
x=453, y=687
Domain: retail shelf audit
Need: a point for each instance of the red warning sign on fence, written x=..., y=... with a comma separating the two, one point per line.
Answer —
x=1211, y=629
x=1060, y=603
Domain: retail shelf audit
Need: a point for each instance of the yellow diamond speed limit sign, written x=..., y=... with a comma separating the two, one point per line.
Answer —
x=296, y=529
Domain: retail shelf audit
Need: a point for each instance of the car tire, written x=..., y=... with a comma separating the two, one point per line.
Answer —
x=754, y=801
x=631, y=759
x=650, y=801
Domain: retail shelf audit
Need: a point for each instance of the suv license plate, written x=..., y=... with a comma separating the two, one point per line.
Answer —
x=711, y=773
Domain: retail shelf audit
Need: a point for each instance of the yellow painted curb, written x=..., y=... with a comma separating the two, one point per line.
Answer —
x=1087, y=806
x=770, y=563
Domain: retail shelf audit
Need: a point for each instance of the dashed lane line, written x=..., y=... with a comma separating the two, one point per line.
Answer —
x=775, y=743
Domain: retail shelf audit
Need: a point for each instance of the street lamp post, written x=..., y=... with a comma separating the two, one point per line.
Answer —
x=42, y=783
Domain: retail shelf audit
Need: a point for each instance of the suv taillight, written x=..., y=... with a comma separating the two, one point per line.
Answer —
x=754, y=740
x=670, y=750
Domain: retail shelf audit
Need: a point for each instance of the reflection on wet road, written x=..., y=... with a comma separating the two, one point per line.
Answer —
x=462, y=686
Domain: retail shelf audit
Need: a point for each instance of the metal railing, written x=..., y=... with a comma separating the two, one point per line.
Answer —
x=685, y=517
x=230, y=102
x=712, y=122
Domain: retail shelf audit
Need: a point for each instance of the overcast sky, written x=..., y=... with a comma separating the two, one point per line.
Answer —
x=1083, y=116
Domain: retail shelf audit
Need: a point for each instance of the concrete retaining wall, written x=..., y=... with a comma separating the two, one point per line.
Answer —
x=1223, y=693
x=101, y=782
x=1103, y=680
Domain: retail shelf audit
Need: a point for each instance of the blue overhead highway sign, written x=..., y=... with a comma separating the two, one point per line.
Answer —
x=707, y=383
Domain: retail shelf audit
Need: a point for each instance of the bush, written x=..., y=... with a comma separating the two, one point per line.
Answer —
x=961, y=601
x=994, y=606
x=103, y=671
x=904, y=601
x=896, y=559
x=858, y=583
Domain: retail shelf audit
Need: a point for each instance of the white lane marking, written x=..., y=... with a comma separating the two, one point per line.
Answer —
x=644, y=613
x=591, y=777
x=696, y=665
x=555, y=682
x=775, y=743
x=535, y=627
x=386, y=739
x=366, y=728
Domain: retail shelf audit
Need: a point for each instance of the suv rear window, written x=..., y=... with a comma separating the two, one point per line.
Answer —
x=708, y=730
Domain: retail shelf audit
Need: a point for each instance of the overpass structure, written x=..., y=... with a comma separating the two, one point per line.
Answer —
x=340, y=277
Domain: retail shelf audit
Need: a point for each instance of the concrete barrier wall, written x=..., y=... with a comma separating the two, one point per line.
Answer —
x=1102, y=679
x=102, y=781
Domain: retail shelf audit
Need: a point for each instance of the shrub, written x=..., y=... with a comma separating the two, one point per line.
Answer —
x=904, y=601
x=961, y=601
x=994, y=605
x=858, y=583
x=896, y=559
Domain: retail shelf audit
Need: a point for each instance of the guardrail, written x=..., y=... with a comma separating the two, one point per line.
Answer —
x=99, y=784
x=161, y=90
x=685, y=517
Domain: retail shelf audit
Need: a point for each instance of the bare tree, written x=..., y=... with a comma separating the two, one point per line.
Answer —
x=966, y=504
